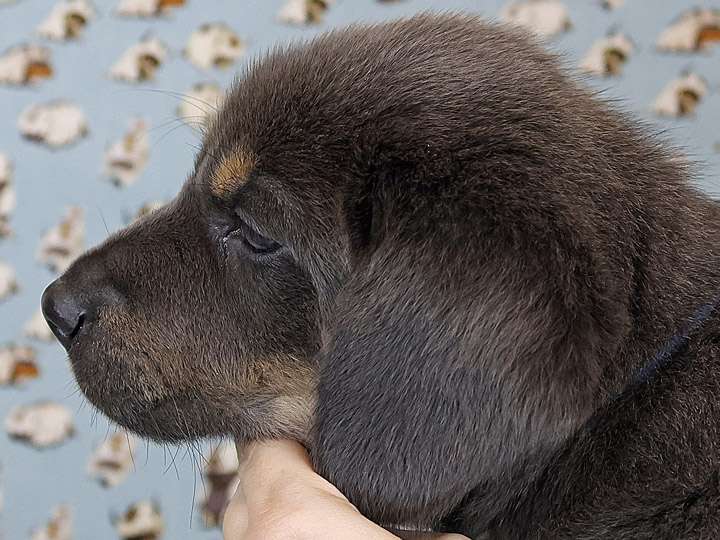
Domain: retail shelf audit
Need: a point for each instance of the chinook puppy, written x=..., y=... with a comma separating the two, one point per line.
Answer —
x=483, y=299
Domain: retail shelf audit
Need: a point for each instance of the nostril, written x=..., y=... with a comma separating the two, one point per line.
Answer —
x=63, y=312
x=78, y=326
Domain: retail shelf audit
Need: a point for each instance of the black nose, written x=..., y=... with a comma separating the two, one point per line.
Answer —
x=63, y=311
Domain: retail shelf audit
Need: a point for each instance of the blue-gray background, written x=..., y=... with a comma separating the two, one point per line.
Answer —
x=47, y=181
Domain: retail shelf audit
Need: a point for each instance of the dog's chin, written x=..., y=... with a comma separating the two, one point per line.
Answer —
x=159, y=420
x=181, y=416
x=114, y=388
x=176, y=420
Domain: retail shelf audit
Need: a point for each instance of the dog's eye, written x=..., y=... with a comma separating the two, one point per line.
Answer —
x=253, y=240
x=259, y=243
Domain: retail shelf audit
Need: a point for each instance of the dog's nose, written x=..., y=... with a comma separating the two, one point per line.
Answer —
x=64, y=311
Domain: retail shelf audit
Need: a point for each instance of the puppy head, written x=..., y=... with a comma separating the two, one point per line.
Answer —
x=186, y=325
x=387, y=250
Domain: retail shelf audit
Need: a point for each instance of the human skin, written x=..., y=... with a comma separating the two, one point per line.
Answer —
x=280, y=497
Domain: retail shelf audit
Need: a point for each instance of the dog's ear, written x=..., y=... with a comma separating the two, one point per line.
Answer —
x=365, y=208
x=455, y=351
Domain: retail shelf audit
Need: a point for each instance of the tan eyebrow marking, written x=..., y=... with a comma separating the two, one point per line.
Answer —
x=232, y=172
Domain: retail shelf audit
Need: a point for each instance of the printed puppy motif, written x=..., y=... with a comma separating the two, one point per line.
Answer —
x=426, y=253
x=547, y=18
x=17, y=363
x=25, y=64
x=214, y=45
x=67, y=20
x=112, y=461
x=126, y=158
x=41, y=424
x=7, y=195
x=612, y=4
x=140, y=61
x=142, y=521
x=148, y=8
x=8, y=282
x=58, y=528
x=54, y=124
x=60, y=245
x=200, y=105
x=696, y=30
x=222, y=477
x=681, y=96
x=304, y=12
x=607, y=57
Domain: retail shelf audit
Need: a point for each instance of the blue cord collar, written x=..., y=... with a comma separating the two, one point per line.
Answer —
x=674, y=345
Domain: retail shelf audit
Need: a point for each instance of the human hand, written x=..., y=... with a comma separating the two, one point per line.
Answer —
x=280, y=497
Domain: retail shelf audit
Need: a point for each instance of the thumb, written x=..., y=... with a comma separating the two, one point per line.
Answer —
x=419, y=535
x=236, y=517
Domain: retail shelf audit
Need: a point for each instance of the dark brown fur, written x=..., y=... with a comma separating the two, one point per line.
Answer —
x=476, y=257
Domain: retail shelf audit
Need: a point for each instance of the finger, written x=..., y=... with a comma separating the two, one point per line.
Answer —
x=420, y=535
x=255, y=454
x=236, y=517
x=269, y=467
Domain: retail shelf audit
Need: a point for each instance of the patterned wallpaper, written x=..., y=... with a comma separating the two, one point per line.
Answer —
x=100, y=105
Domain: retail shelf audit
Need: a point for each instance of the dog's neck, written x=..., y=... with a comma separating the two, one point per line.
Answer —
x=680, y=276
x=673, y=284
